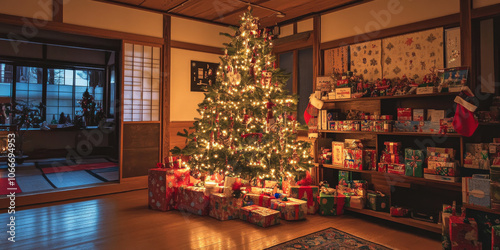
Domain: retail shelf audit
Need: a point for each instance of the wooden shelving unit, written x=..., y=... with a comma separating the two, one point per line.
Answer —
x=401, y=189
x=391, y=97
x=433, y=227
x=391, y=133
x=400, y=180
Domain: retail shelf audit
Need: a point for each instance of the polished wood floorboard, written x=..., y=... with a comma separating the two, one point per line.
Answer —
x=123, y=221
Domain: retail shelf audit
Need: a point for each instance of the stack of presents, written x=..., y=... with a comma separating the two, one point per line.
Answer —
x=226, y=198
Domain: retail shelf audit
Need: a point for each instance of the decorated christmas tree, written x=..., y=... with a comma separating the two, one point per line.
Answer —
x=247, y=128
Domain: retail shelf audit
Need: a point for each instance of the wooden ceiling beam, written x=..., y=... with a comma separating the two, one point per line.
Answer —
x=238, y=10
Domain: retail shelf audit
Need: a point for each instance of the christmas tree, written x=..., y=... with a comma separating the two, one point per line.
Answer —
x=247, y=128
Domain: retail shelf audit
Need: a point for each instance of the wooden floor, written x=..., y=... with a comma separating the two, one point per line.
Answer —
x=123, y=221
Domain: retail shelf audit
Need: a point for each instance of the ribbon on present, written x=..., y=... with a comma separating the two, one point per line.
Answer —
x=160, y=165
x=309, y=193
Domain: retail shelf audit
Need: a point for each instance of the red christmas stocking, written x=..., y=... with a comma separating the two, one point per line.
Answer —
x=307, y=116
x=464, y=121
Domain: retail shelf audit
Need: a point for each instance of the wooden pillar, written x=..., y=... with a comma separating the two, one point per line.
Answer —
x=466, y=38
x=57, y=11
x=316, y=48
x=165, y=124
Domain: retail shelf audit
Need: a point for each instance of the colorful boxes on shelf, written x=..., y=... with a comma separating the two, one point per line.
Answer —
x=392, y=147
x=331, y=204
x=354, y=158
x=414, y=161
x=396, y=169
x=162, y=187
x=378, y=201
x=376, y=126
x=404, y=114
x=382, y=167
x=419, y=114
x=261, y=216
x=476, y=156
x=464, y=233
x=370, y=159
x=345, y=177
x=446, y=125
x=290, y=209
x=225, y=207
x=358, y=202
x=262, y=200
x=310, y=193
x=193, y=200
x=338, y=153
x=391, y=158
x=417, y=126
x=476, y=190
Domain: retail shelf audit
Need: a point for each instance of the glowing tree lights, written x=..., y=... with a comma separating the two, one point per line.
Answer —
x=246, y=127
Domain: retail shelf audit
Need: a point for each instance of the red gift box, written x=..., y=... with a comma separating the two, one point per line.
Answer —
x=463, y=233
x=163, y=186
x=370, y=159
x=382, y=167
x=260, y=216
x=399, y=212
x=354, y=158
x=396, y=169
x=392, y=147
x=405, y=114
x=193, y=200
x=391, y=158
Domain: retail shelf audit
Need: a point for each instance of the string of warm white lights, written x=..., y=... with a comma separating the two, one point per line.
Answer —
x=245, y=127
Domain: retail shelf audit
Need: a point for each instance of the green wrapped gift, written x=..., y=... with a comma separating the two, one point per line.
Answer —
x=414, y=154
x=378, y=201
x=345, y=177
x=331, y=204
x=308, y=193
x=414, y=168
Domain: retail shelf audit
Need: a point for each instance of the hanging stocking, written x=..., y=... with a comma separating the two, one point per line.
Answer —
x=464, y=121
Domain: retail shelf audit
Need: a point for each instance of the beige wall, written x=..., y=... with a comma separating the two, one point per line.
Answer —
x=382, y=14
x=305, y=25
x=185, y=30
x=183, y=102
x=39, y=9
x=113, y=17
x=286, y=30
x=483, y=3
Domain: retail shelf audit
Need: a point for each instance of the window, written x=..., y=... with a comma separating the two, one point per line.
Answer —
x=141, y=100
x=29, y=85
x=65, y=88
x=5, y=81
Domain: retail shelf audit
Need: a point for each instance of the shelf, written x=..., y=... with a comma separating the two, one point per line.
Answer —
x=481, y=208
x=400, y=180
x=391, y=97
x=391, y=133
x=432, y=227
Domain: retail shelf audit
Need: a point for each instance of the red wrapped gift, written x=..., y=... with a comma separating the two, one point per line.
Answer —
x=392, y=147
x=162, y=187
x=463, y=233
x=404, y=114
x=261, y=200
x=396, y=169
x=370, y=159
x=310, y=193
x=225, y=207
x=382, y=167
x=391, y=158
x=193, y=200
x=399, y=212
x=260, y=216
x=354, y=158
x=495, y=237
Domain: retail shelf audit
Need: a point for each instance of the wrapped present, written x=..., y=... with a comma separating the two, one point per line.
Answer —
x=477, y=156
x=163, y=186
x=370, y=159
x=262, y=200
x=404, y=114
x=445, y=229
x=392, y=147
x=345, y=177
x=285, y=186
x=270, y=184
x=396, y=169
x=419, y=114
x=398, y=212
x=309, y=193
x=338, y=153
x=290, y=208
x=417, y=126
x=382, y=167
x=495, y=237
x=358, y=187
x=439, y=158
x=447, y=125
x=193, y=200
x=378, y=201
x=444, y=171
x=358, y=202
x=414, y=161
x=331, y=204
x=224, y=208
x=463, y=233
x=354, y=158
x=450, y=152
x=391, y=158
x=173, y=162
x=478, y=188
x=437, y=164
x=261, y=216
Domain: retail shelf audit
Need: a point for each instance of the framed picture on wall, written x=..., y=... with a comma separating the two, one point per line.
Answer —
x=202, y=74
